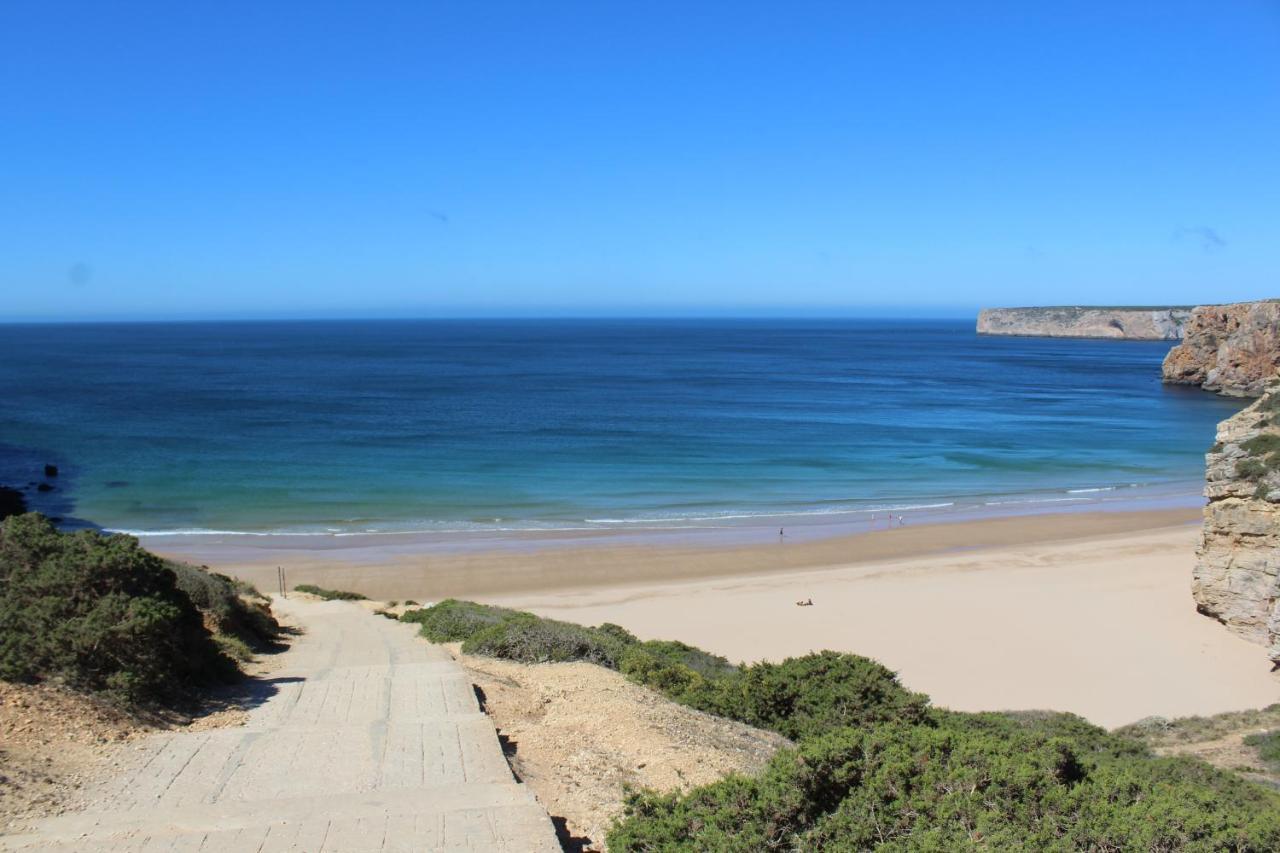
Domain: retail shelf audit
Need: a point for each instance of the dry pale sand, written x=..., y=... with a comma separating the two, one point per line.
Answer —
x=1102, y=626
x=1086, y=612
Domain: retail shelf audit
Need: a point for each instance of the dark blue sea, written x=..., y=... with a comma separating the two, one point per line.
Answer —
x=358, y=426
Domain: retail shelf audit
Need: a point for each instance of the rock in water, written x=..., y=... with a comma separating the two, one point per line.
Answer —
x=51, y=470
x=1231, y=349
x=1237, y=574
x=11, y=502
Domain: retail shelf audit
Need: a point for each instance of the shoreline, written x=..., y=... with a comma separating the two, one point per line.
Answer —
x=399, y=570
x=1083, y=612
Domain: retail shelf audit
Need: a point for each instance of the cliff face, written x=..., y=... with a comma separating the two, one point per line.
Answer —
x=1231, y=349
x=1237, y=574
x=1148, y=324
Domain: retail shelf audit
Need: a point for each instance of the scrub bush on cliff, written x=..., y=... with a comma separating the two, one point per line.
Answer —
x=239, y=615
x=797, y=698
x=954, y=784
x=98, y=613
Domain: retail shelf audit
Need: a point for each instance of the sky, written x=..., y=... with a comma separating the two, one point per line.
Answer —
x=322, y=159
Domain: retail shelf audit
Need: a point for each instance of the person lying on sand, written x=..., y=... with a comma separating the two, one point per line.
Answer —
x=808, y=602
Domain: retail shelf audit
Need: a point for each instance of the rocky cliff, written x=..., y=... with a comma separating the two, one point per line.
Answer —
x=1237, y=574
x=1231, y=349
x=1148, y=324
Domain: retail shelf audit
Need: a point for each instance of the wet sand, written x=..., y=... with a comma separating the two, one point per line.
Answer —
x=388, y=567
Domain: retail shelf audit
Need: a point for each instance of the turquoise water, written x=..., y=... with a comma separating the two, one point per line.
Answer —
x=494, y=425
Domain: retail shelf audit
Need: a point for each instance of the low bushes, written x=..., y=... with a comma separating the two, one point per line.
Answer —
x=876, y=766
x=99, y=613
x=1268, y=746
x=516, y=635
x=329, y=594
x=943, y=786
x=529, y=639
x=453, y=621
x=238, y=614
x=797, y=697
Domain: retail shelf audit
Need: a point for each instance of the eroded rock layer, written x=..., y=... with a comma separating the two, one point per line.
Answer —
x=1237, y=574
x=1232, y=349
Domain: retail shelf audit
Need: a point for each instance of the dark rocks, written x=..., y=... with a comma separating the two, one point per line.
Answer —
x=50, y=470
x=11, y=502
x=44, y=487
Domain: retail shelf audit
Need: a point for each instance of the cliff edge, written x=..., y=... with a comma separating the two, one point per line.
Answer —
x=1232, y=349
x=1237, y=574
x=1145, y=324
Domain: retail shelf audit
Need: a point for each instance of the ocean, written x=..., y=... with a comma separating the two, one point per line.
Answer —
x=455, y=426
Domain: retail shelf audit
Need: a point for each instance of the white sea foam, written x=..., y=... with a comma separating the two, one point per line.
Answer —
x=1034, y=501
x=763, y=514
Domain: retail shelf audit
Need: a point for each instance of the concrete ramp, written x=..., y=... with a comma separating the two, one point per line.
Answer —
x=369, y=739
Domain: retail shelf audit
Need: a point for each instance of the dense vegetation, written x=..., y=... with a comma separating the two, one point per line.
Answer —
x=876, y=766
x=328, y=594
x=98, y=613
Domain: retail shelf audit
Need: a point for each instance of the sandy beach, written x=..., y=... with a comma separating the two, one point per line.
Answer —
x=1087, y=612
x=1104, y=626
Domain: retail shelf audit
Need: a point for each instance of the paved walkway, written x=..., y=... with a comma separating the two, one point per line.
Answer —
x=370, y=740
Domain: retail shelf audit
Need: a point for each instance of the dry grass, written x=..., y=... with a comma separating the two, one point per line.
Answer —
x=578, y=734
x=1219, y=740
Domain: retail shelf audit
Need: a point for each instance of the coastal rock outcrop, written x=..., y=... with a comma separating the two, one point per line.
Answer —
x=1232, y=349
x=1147, y=324
x=1237, y=574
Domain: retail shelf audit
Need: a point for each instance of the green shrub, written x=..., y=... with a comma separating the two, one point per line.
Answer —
x=1261, y=445
x=238, y=611
x=1250, y=469
x=876, y=767
x=233, y=647
x=674, y=652
x=530, y=639
x=329, y=594
x=453, y=621
x=902, y=786
x=99, y=613
x=1268, y=745
x=804, y=696
x=795, y=698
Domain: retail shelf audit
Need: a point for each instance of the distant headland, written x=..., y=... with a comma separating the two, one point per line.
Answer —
x=1142, y=323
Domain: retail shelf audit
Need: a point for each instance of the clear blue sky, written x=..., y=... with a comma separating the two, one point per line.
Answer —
x=232, y=159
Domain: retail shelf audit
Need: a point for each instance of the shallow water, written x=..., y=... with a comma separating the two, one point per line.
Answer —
x=441, y=426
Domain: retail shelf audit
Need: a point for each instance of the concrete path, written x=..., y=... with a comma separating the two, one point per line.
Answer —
x=370, y=739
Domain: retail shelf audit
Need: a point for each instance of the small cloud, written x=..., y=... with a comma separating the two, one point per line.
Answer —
x=79, y=274
x=1203, y=236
